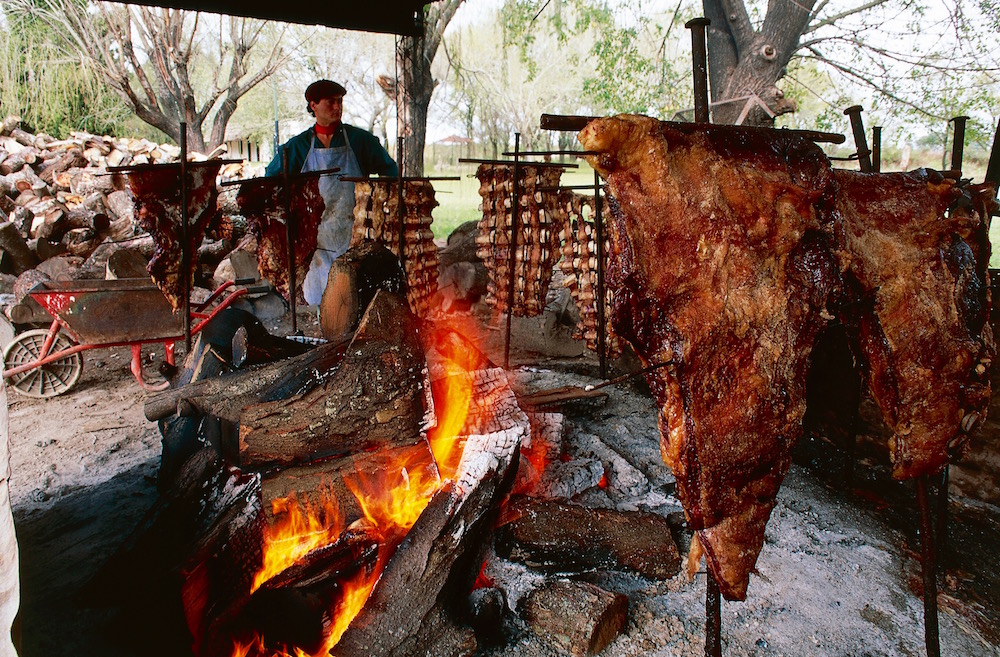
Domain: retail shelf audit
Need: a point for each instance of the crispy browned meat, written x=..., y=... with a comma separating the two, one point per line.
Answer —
x=263, y=203
x=921, y=309
x=720, y=262
x=156, y=195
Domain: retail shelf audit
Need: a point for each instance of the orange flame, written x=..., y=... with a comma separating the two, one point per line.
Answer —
x=392, y=498
x=298, y=529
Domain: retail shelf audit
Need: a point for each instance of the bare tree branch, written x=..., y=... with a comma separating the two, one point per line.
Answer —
x=830, y=20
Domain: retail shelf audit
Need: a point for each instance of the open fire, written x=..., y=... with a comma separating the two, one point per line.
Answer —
x=391, y=498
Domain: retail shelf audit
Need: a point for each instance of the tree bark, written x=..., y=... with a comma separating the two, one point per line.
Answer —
x=743, y=61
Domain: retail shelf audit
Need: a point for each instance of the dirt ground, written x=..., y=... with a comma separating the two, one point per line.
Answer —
x=838, y=575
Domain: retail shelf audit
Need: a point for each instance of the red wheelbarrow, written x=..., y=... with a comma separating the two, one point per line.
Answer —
x=90, y=314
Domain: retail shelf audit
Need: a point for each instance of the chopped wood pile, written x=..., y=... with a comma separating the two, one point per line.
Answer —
x=65, y=213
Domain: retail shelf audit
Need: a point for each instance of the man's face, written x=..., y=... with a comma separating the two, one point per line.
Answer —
x=328, y=110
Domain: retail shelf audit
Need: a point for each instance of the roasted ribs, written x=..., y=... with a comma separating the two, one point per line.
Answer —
x=156, y=195
x=721, y=265
x=914, y=254
x=265, y=205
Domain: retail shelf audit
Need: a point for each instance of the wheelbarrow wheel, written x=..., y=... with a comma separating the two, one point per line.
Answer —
x=49, y=380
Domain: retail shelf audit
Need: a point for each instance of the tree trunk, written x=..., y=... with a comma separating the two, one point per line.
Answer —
x=414, y=57
x=744, y=62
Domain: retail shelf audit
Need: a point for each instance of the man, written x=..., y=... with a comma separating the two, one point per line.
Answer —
x=332, y=143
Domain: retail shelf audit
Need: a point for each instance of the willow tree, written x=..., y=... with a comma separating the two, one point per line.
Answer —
x=168, y=65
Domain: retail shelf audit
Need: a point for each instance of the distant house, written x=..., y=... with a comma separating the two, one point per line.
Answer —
x=451, y=148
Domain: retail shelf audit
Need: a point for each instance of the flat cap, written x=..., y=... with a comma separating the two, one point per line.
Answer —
x=321, y=89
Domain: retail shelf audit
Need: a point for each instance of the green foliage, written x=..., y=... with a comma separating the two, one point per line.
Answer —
x=50, y=90
x=628, y=66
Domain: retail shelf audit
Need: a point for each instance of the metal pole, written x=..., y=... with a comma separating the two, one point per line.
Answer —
x=958, y=143
x=929, y=571
x=877, y=148
x=858, y=127
x=699, y=63
x=277, y=137
x=713, y=616
x=515, y=227
x=993, y=168
x=602, y=346
x=942, y=520
x=399, y=202
x=185, y=246
x=289, y=237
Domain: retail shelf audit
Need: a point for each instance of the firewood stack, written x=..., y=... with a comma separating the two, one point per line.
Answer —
x=579, y=265
x=375, y=218
x=58, y=199
x=540, y=224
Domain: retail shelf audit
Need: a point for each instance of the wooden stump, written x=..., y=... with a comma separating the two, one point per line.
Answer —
x=575, y=618
x=354, y=279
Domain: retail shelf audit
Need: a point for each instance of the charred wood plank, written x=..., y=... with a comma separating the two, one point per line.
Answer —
x=575, y=618
x=566, y=538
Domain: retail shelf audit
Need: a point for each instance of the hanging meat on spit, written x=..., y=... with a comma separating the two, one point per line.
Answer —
x=156, y=193
x=915, y=252
x=265, y=205
x=376, y=218
x=579, y=267
x=541, y=222
x=721, y=265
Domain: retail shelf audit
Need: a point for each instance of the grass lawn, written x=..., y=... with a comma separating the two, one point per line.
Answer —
x=459, y=199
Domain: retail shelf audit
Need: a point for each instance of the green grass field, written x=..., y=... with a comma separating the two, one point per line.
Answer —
x=459, y=199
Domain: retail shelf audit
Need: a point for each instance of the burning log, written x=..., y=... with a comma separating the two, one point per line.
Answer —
x=375, y=398
x=440, y=556
x=567, y=538
x=576, y=618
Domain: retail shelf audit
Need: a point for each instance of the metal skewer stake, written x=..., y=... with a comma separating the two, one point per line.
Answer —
x=929, y=571
x=958, y=143
x=877, y=148
x=185, y=247
x=515, y=227
x=399, y=203
x=713, y=616
x=289, y=236
x=602, y=346
x=858, y=127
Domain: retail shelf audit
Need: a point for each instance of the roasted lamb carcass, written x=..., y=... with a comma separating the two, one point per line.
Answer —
x=265, y=205
x=914, y=254
x=156, y=195
x=720, y=262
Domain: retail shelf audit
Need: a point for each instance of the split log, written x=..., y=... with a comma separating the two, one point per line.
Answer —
x=12, y=163
x=125, y=263
x=224, y=397
x=375, y=398
x=12, y=243
x=121, y=205
x=440, y=558
x=575, y=618
x=567, y=538
x=351, y=285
